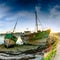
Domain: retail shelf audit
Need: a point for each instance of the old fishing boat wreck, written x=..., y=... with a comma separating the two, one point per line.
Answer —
x=10, y=39
x=46, y=43
x=35, y=38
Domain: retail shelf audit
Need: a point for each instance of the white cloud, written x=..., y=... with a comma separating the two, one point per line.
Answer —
x=55, y=14
x=54, y=11
x=38, y=9
x=54, y=18
x=9, y=21
x=19, y=14
x=3, y=10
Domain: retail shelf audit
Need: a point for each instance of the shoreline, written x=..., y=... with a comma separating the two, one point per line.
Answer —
x=9, y=54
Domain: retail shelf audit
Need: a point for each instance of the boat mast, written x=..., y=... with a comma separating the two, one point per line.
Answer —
x=36, y=19
x=15, y=26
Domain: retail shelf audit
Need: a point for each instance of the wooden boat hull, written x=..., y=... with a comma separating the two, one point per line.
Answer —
x=10, y=39
x=9, y=42
x=35, y=42
x=36, y=38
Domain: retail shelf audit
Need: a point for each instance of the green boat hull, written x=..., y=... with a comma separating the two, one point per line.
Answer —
x=10, y=40
x=35, y=38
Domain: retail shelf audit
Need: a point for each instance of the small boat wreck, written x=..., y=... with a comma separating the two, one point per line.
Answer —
x=10, y=39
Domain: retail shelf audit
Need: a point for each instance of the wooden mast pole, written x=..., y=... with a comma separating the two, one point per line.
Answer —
x=36, y=19
x=15, y=25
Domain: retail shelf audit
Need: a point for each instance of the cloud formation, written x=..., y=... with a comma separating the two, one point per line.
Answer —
x=55, y=11
x=23, y=10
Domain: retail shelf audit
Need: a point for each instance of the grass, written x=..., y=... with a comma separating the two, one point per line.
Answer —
x=52, y=51
x=50, y=55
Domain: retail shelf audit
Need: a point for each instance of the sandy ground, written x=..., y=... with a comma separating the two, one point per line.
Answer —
x=57, y=56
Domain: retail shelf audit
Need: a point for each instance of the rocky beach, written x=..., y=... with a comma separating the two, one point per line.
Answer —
x=18, y=52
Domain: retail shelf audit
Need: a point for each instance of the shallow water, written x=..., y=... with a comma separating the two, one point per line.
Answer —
x=1, y=39
x=19, y=41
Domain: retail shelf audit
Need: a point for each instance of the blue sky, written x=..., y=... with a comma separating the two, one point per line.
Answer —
x=23, y=10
